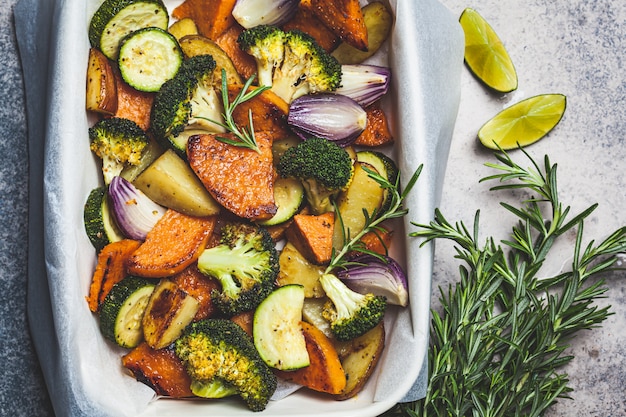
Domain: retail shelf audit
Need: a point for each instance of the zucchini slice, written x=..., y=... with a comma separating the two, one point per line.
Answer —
x=115, y=19
x=148, y=57
x=123, y=309
x=288, y=196
x=99, y=225
x=277, y=331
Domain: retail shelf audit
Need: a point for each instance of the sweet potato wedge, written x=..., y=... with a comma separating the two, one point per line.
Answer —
x=312, y=235
x=269, y=112
x=212, y=17
x=244, y=63
x=110, y=269
x=306, y=21
x=378, y=241
x=199, y=286
x=324, y=373
x=159, y=369
x=345, y=19
x=376, y=131
x=240, y=179
x=174, y=243
x=133, y=104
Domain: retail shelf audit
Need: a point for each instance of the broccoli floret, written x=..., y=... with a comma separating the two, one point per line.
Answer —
x=220, y=351
x=323, y=167
x=246, y=264
x=267, y=45
x=292, y=62
x=187, y=101
x=119, y=142
x=350, y=314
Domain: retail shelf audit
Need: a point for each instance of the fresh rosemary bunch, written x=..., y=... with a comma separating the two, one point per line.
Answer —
x=498, y=344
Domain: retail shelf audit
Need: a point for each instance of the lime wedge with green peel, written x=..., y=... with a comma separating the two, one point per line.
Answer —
x=485, y=54
x=523, y=123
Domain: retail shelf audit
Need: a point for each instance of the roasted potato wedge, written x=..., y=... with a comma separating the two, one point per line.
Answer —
x=296, y=269
x=359, y=358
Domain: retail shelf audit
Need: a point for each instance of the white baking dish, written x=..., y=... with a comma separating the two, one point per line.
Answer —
x=82, y=371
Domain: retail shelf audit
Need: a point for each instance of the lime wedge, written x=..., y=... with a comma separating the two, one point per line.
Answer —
x=485, y=54
x=523, y=123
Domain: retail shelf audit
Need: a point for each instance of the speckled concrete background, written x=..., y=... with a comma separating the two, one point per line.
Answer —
x=574, y=47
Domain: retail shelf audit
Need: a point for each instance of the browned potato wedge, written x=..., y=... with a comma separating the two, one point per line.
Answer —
x=359, y=358
x=378, y=21
x=296, y=269
x=193, y=45
x=170, y=182
x=363, y=194
x=183, y=27
x=101, y=90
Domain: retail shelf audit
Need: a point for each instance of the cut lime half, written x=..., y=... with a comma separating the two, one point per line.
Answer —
x=523, y=123
x=485, y=54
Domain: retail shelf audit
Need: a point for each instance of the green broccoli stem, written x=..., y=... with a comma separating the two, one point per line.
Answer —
x=345, y=300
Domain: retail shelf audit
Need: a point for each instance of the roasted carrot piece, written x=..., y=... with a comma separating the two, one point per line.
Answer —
x=240, y=179
x=174, y=243
x=110, y=269
x=244, y=63
x=200, y=287
x=376, y=131
x=269, y=112
x=133, y=104
x=324, y=373
x=212, y=17
x=345, y=19
x=159, y=369
x=312, y=235
x=306, y=21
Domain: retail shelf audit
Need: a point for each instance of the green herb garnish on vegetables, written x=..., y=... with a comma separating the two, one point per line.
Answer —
x=498, y=345
x=245, y=136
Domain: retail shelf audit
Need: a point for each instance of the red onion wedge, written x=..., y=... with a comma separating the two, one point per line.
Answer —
x=334, y=117
x=134, y=213
x=378, y=276
x=250, y=13
x=364, y=83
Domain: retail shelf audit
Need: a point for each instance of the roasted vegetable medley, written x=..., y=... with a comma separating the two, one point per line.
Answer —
x=246, y=213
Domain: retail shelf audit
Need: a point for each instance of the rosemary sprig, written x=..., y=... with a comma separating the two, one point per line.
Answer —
x=498, y=344
x=372, y=220
x=245, y=135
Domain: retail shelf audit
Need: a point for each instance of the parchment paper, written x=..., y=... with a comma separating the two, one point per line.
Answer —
x=82, y=371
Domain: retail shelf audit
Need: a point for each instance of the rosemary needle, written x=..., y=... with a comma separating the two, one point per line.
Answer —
x=498, y=343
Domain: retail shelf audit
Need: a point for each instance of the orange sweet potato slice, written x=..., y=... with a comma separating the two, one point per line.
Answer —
x=325, y=372
x=243, y=62
x=306, y=21
x=200, y=287
x=212, y=17
x=173, y=244
x=244, y=320
x=378, y=241
x=159, y=369
x=312, y=235
x=240, y=179
x=269, y=112
x=110, y=269
x=132, y=104
x=376, y=131
x=345, y=19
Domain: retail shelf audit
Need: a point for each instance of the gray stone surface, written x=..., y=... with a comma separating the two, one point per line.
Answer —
x=575, y=47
